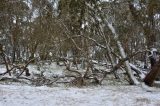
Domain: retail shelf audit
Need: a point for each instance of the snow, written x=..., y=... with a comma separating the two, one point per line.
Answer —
x=105, y=95
x=48, y=70
x=142, y=75
x=153, y=50
x=12, y=95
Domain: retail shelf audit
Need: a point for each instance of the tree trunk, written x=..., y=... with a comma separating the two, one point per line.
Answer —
x=151, y=76
x=13, y=54
x=133, y=80
x=33, y=50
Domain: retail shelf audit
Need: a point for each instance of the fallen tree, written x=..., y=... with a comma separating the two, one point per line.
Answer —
x=140, y=74
x=12, y=67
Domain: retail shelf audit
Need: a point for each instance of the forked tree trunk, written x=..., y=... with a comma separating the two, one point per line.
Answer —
x=151, y=76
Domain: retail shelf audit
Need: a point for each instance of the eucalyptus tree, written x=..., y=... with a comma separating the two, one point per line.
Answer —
x=41, y=28
x=87, y=19
x=73, y=14
x=13, y=19
x=145, y=14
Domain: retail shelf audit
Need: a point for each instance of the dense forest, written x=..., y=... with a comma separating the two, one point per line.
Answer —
x=80, y=35
x=79, y=52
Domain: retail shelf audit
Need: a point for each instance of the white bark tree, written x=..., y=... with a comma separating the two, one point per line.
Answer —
x=122, y=53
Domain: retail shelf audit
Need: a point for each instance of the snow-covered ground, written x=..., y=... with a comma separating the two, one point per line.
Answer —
x=11, y=95
x=17, y=94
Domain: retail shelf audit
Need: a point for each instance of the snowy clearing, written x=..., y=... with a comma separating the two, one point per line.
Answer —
x=13, y=95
